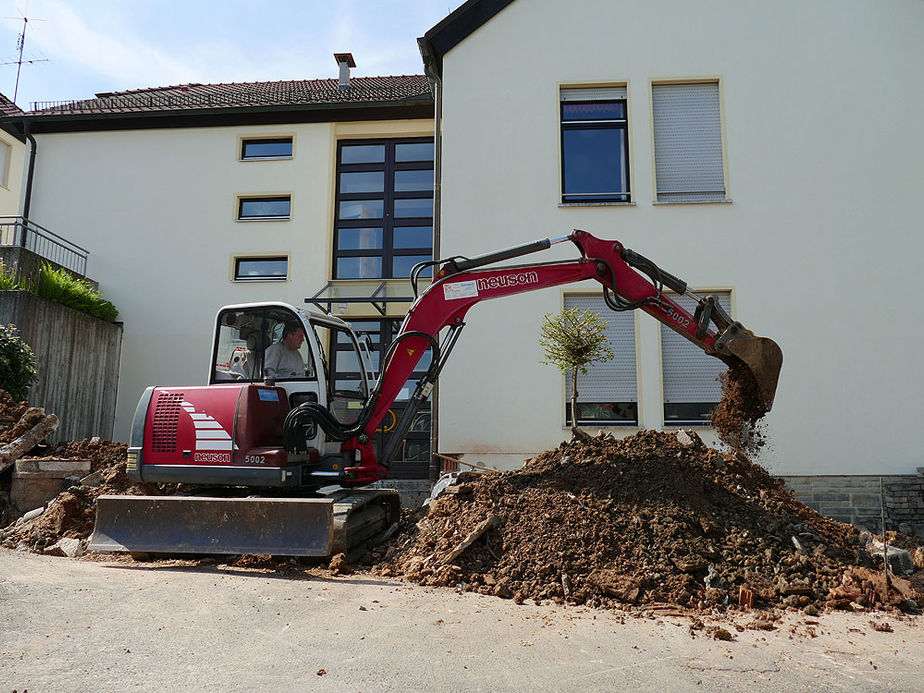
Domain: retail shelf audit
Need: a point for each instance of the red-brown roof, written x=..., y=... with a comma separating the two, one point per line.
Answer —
x=187, y=97
x=8, y=108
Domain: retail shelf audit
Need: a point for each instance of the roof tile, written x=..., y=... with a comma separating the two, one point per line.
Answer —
x=186, y=97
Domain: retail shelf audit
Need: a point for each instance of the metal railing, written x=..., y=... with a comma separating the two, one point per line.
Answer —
x=22, y=233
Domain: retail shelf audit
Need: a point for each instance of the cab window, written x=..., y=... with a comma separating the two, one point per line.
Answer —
x=257, y=343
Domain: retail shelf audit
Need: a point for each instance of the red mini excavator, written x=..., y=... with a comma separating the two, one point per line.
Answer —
x=285, y=451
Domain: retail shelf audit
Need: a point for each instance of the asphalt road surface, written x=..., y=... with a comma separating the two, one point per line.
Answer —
x=77, y=625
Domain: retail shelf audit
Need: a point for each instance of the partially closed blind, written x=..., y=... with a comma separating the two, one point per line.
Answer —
x=613, y=380
x=690, y=375
x=593, y=94
x=688, y=142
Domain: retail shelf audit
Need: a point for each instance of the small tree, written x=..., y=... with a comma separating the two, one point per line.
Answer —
x=572, y=340
x=17, y=363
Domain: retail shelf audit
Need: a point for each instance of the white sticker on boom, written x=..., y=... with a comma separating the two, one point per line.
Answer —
x=460, y=290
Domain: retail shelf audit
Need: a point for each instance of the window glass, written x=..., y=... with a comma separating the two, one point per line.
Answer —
x=362, y=209
x=264, y=207
x=414, y=151
x=413, y=237
x=5, y=150
x=594, y=145
x=394, y=178
x=414, y=207
x=270, y=148
x=359, y=238
x=412, y=181
x=362, y=154
x=403, y=264
x=594, y=163
x=251, y=346
x=260, y=268
x=369, y=328
x=359, y=267
x=362, y=182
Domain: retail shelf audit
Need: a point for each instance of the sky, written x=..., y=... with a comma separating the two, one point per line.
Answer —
x=112, y=45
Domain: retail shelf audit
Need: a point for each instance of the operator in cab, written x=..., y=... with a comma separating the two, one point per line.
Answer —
x=283, y=359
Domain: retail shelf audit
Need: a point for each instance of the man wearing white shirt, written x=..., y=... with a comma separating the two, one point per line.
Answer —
x=282, y=359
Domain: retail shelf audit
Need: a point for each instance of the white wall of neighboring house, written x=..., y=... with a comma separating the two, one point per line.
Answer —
x=12, y=155
x=157, y=210
x=820, y=245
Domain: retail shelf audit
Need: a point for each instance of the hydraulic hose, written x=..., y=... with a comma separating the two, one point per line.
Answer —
x=308, y=412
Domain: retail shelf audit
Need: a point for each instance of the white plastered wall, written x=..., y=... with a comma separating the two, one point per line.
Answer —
x=821, y=105
x=11, y=175
x=156, y=209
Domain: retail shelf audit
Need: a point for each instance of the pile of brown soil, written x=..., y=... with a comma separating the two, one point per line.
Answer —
x=655, y=517
x=103, y=454
x=73, y=512
x=11, y=411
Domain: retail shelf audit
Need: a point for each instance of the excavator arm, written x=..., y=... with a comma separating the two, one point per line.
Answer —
x=630, y=281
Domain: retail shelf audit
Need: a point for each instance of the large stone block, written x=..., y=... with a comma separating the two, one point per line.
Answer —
x=864, y=500
x=35, y=482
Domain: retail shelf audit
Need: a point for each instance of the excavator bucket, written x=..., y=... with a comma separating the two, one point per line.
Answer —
x=764, y=358
x=265, y=526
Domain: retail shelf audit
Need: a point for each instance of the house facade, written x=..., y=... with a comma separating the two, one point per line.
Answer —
x=724, y=141
x=197, y=196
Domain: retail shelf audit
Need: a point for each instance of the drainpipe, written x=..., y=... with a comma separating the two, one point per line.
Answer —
x=436, y=86
x=27, y=200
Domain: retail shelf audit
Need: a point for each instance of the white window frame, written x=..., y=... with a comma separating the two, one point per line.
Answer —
x=616, y=91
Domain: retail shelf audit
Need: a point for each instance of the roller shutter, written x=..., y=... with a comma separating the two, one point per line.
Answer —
x=688, y=142
x=689, y=374
x=613, y=380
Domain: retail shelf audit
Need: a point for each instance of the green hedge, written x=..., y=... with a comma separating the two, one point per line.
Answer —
x=59, y=285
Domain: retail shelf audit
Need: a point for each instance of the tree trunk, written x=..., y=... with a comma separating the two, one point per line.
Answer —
x=575, y=431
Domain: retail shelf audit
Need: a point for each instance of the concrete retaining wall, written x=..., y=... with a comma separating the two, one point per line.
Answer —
x=77, y=357
x=856, y=499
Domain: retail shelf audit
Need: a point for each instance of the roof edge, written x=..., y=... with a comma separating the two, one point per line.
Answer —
x=413, y=108
x=455, y=28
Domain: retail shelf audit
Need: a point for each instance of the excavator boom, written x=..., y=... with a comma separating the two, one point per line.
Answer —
x=630, y=281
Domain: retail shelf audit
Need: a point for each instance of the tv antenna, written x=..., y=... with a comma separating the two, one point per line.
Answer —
x=21, y=45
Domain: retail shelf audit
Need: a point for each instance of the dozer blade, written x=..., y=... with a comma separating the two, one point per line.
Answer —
x=764, y=358
x=200, y=525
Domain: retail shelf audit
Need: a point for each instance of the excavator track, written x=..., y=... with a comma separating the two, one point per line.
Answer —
x=340, y=522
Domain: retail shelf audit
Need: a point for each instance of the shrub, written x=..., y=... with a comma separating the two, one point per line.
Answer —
x=17, y=363
x=59, y=285
x=573, y=339
x=7, y=279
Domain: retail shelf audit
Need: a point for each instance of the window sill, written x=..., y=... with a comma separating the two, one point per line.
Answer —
x=268, y=158
x=726, y=201
x=606, y=426
x=596, y=204
x=264, y=219
x=251, y=280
